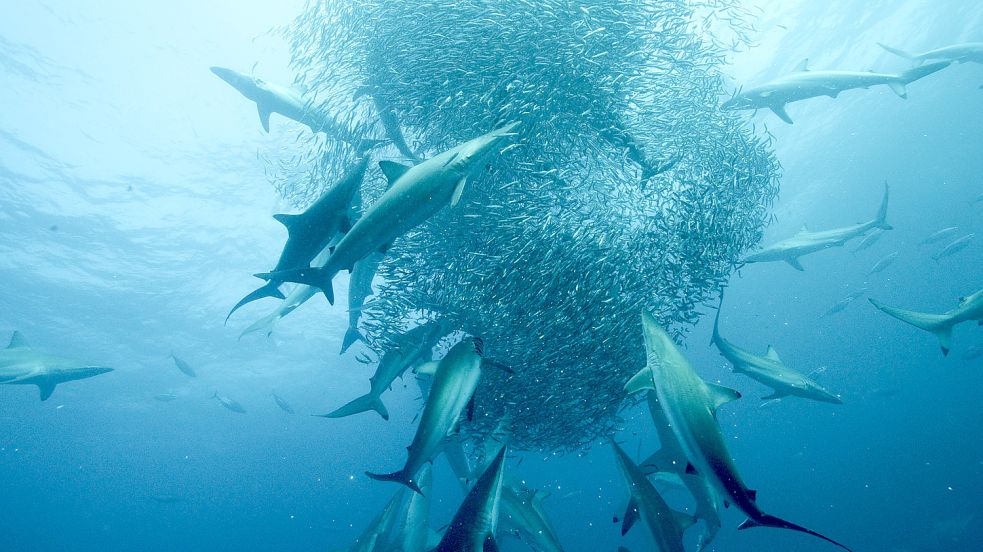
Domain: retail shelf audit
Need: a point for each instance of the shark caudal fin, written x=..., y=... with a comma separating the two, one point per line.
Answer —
x=359, y=405
x=897, y=52
x=314, y=277
x=881, y=218
x=938, y=324
x=765, y=520
x=397, y=477
x=351, y=336
x=270, y=289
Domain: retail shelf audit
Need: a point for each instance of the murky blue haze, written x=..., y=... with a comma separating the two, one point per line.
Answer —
x=134, y=205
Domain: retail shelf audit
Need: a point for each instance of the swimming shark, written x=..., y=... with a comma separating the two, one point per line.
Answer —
x=287, y=101
x=969, y=308
x=413, y=346
x=390, y=123
x=690, y=405
x=454, y=383
x=803, y=84
x=415, y=194
x=359, y=287
x=769, y=369
x=411, y=531
x=670, y=458
x=22, y=365
x=524, y=516
x=476, y=521
x=959, y=53
x=310, y=232
x=805, y=242
x=373, y=537
x=665, y=525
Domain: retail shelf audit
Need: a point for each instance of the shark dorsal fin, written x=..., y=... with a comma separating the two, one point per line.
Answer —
x=631, y=516
x=264, y=116
x=802, y=67
x=640, y=381
x=287, y=220
x=683, y=521
x=17, y=341
x=393, y=170
x=720, y=395
x=773, y=354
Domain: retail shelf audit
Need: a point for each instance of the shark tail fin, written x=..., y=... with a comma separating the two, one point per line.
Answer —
x=915, y=73
x=765, y=520
x=897, y=52
x=398, y=477
x=935, y=323
x=351, y=336
x=361, y=404
x=265, y=324
x=269, y=289
x=882, y=210
x=314, y=277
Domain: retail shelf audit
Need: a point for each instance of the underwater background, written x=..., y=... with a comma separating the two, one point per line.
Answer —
x=135, y=202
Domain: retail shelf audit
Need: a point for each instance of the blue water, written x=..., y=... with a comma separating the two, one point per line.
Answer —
x=133, y=200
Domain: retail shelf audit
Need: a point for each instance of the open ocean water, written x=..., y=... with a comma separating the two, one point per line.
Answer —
x=136, y=194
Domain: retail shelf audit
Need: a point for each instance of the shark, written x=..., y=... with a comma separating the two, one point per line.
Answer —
x=769, y=369
x=970, y=308
x=412, y=532
x=690, y=405
x=958, y=53
x=415, y=194
x=666, y=526
x=359, y=287
x=22, y=365
x=287, y=101
x=523, y=515
x=373, y=537
x=309, y=232
x=474, y=525
x=454, y=383
x=415, y=345
x=803, y=84
x=390, y=123
x=671, y=459
x=806, y=242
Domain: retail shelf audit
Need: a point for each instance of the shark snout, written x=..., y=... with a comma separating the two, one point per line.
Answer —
x=234, y=78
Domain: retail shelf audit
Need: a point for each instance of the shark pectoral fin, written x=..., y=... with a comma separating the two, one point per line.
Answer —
x=393, y=170
x=794, y=261
x=490, y=545
x=264, y=116
x=683, y=521
x=773, y=354
x=46, y=388
x=631, y=516
x=690, y=469
x=458, y=191
x=17, y=341
x=720, y=395
x=640, y=382
x=779, y=109
x=899, y=89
